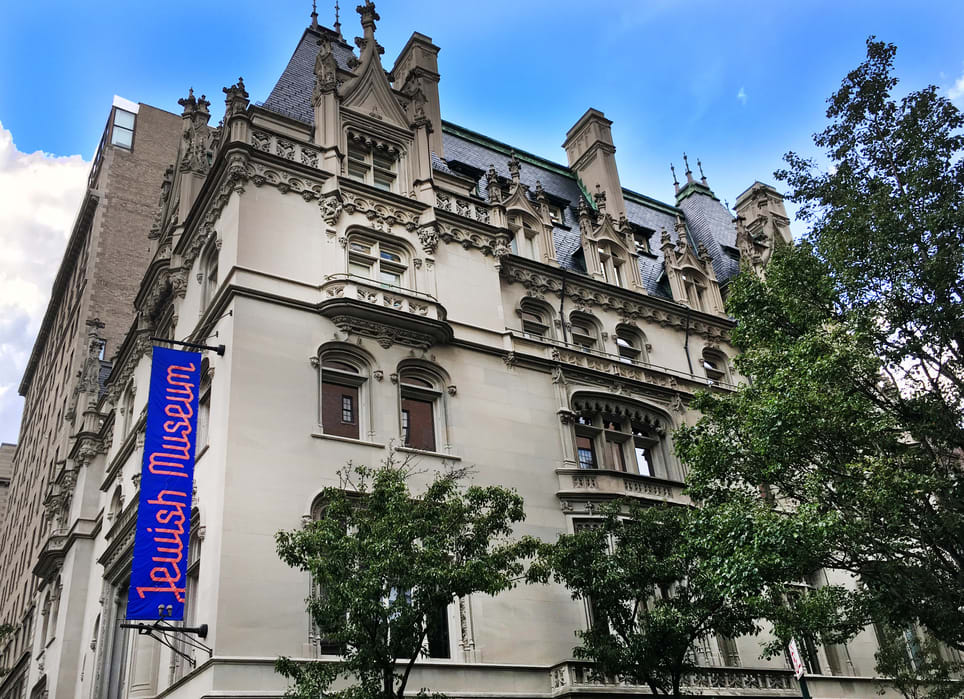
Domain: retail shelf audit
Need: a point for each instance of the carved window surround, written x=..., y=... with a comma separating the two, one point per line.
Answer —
x=588, y=293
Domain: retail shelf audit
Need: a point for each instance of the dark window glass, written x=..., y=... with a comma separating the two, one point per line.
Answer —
x=348, y=409
x=587, y=455
x=418, y=427
x=333, y=410
x=438, y=633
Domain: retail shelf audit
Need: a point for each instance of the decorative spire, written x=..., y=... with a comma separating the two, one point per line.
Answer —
x=337, y=21
x=314, y=15
x=675, y=181
x=514, y=167
x=236, y=99
x=194, y=106
x=702, y=176
x=689, y=173
x=368, y=19
x=585, y=222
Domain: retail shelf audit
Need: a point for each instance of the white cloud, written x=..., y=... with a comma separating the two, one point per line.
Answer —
x=39, y=197
x=741, y=95
x=956, y=90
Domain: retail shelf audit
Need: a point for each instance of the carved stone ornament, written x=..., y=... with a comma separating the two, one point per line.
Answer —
x=380, y=217
x=330, y=205
x=384, y=335
x=236, y=99
x=428, y=237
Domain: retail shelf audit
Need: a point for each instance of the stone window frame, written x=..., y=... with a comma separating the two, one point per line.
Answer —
x=359, y=380
x=376, y=252
x=424, y=382
x=536, y=318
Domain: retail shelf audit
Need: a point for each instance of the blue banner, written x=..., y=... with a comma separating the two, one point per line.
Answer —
x=158, y=574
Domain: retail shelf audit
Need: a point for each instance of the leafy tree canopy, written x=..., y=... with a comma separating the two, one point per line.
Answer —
x=385, y=560
x=660, y=579
x=852, y=344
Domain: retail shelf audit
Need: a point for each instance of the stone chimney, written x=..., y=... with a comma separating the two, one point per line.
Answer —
x=589, y=147
x=416, y=71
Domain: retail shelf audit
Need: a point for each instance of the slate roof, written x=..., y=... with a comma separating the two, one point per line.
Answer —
x=707, y=220
x=291, y=95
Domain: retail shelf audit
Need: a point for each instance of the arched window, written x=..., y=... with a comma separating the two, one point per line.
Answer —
x=525, y=236
x=621, y=436
x=611, y=262
x=116, y=504
x=193, y=574
x=536, y=318
x=695, y=285
x=127, y=411
x=584, y=330
x=209, y=272
x=343, y=375
x=382, y=262
x=715, y=366
x=631, y=344
x=422, y=415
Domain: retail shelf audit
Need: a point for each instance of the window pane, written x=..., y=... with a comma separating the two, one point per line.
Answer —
x=421, y=424
x=125, y=119
x=386, y=255
x=332, y=410
x=360, y=269
x=348, y=409
x=416, y=381
x=383, y=160
x=437, y=633
x=644, y=460
x=357, y=171
x=383, y=181
x=616, y=454
x=390, y=278
x=360, y=247
x=340, y=366
x=587, y=455
x=122, y=137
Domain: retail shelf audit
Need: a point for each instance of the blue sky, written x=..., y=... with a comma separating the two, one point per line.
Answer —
x=736, y=84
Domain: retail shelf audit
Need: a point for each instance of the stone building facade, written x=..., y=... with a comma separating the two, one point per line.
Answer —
x=383, y=280
x=6, y=469
x=47, y=535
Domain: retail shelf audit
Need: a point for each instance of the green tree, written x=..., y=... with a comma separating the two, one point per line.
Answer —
x=660, y=579
x=916, y=667
x=385, y=560
x=852, y=345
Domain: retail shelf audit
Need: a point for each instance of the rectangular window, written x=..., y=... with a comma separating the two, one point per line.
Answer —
x=437, y=635
x=616, y=455
x=333, y=397
x=587, y=454
x=122, y=130
x=644, y=460
x=418, y=424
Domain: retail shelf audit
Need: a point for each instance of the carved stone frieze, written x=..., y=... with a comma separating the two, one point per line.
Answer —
x=380, y=216
x=586, y=297
x=486, y=243
x=462, y=207
x=384, y=335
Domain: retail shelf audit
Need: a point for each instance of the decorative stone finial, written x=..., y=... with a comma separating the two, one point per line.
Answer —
x=368, y=18
x=689, y=173
x=326, y=71
x=585, y=222
x=514, y=167
x=337, y=21
x=665, y=242
x=195, y=106
x=236, y=99
x=540, y=193
x=703, y=252
x=314, y=15
x=675, y=181
x=700, y=166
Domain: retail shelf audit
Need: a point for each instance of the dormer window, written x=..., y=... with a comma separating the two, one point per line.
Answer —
x=557, y=215
x=695, y=286
x=641, y=241
x=715, y=366
x=584, y=331
x=372, y=162
x=524, y=241
x=611, y=264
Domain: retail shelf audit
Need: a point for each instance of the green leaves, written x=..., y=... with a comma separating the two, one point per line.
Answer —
x=852, y=345
x=384, y=560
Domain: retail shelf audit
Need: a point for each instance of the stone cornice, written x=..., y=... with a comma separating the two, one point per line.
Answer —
x=586, y=292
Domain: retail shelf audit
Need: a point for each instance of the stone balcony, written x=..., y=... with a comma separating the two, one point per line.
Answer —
x=388, y=313
x=575, y=677
x=600, y=484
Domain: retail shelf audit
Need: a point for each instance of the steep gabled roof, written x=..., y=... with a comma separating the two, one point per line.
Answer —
x=707, y=220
